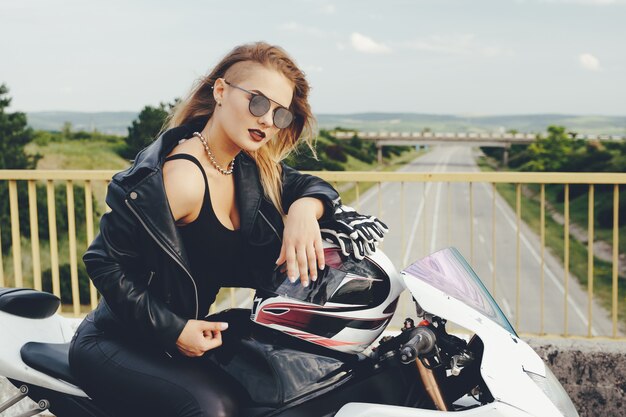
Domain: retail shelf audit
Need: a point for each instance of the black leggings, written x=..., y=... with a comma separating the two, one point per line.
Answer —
x=133, y=379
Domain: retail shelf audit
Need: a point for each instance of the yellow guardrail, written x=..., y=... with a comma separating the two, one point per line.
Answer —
x=67, y=178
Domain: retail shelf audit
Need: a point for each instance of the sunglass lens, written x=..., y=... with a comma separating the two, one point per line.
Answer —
x=282, y=118
x=259, y=105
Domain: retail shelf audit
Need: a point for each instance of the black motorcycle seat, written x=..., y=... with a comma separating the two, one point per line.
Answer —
x=49, y=358
x=28, y=303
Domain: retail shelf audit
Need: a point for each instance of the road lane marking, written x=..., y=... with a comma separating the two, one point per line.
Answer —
x=481, y=238
x=418, y=216
x=433, y=237
x=369, y=194
x=414, y=228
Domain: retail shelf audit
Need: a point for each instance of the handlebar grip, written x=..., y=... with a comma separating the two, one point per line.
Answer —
x=422, y=342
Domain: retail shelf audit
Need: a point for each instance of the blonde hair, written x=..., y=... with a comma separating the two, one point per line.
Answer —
x=200, y=103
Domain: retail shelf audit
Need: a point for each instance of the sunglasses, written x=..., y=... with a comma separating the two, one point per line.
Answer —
x=260, y=105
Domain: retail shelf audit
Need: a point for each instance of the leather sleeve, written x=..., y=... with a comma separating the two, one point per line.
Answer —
x=114, y=264
x=297, y=185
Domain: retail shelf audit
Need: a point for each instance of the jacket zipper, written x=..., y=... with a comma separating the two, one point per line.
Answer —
x=270, y=224
x=166, y=249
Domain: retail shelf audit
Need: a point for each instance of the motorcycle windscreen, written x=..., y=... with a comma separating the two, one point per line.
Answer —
x=447, y=271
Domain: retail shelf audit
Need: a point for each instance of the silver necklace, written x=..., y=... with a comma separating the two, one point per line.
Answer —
x=212, y=157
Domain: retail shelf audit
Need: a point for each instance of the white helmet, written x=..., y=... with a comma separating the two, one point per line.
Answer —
x=346, y=309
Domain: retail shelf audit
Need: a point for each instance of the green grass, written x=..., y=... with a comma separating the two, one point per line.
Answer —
x=579, y=211
x=81, y=154
x=555, y=240
x=78, y=154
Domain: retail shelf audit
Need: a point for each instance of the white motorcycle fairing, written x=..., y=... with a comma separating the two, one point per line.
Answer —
x=16, y=332
x=443, y=284
x=495, y=409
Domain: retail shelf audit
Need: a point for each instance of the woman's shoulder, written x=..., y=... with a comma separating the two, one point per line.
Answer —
x=184, y=183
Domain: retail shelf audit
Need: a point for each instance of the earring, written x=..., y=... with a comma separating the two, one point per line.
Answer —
x=219, y=103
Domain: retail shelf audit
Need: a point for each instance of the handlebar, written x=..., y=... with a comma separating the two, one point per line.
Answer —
x=422, y=341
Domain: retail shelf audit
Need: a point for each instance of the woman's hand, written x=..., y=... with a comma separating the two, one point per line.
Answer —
x=302, y=242
x=199, y=336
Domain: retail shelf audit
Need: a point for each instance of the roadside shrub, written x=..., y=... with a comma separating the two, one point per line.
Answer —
x=65, y=282
x=336, y=153
x=604, y=208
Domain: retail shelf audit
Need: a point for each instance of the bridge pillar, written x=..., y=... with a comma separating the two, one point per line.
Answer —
x=380, y=153
x=505, y=155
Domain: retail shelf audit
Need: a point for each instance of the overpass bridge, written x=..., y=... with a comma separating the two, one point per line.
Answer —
x=499, y=140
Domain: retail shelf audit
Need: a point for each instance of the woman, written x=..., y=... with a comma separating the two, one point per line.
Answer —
x=208, y=204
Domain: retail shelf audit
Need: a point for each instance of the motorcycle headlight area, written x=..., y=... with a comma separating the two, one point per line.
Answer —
x=555, y=392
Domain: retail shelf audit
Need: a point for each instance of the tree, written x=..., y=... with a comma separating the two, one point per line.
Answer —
x=14, y=136
x=67, y=130
x=550, y=154
x=145, y=128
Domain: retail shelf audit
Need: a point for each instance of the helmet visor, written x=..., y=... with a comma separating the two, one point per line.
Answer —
x=359, y=284
x=318, y=292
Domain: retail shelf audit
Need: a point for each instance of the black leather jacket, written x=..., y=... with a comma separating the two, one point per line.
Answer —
x=138, y=261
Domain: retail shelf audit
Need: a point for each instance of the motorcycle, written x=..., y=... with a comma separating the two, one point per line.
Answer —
x=309, y=351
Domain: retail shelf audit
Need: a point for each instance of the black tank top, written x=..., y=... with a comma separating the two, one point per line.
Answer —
x=214, y=250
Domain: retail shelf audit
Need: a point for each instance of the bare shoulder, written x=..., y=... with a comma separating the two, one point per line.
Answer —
x=184, y=185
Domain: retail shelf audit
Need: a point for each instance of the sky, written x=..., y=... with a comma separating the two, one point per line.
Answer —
x=463, y=57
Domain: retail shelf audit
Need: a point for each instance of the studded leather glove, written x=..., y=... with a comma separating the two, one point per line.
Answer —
x=357, y=235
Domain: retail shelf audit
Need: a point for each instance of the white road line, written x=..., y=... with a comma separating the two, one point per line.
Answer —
x=490, y=265
x=481, y=238
x=418, y=215
x=245, y=304
x=372, y=192
x=433, y=236
x=369, y=194
x=533, y=252
x=247, y=300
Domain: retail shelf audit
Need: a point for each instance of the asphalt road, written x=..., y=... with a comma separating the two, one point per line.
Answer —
x=437, y=215
x=427, y=217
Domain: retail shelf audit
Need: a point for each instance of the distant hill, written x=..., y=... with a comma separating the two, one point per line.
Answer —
x=403, y=122
x=113, y=123
x=118, y=122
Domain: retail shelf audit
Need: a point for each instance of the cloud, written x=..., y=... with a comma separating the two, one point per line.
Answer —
x=367, y=45
x=464, y=44
x=589, y=62
x=312, y=68
x=300, y=28
x=328, y=9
